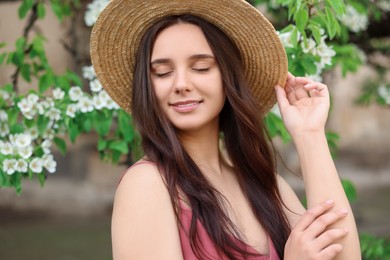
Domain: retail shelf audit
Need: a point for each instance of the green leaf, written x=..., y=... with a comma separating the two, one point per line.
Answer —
x=24, y=8
x=301, y=18
x=102, y=144
x=337, y=5
x=349, y=189
x=16, y=129
x=42, y=124
x=16, y=181
x=124, y=125
x=2, y=57
x=74, y=131
x=3, y=44
x=41, y=178
x=45, y=81
x=315, y=31
x=308, y=63
x=102, y=124
x=73, y=77
x=294, y=37
x=26, y=72
x=62, y=82
x=8, y=88
x=12, y=115
x=120, y=146
x=61, y=145
x=41, y=11
x=57, y=9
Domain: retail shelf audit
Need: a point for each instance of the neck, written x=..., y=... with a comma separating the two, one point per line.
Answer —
x=203, y=147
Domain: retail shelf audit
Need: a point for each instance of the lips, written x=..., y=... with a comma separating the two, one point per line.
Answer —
x=186, y=106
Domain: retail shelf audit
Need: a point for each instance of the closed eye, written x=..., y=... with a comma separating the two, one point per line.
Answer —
x=162, y=74
x=201, y=69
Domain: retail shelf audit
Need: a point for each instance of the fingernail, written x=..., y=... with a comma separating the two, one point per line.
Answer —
x=344, y=211
x=329, y=202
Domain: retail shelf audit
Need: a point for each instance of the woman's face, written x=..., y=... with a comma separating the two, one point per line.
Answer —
x=186, y=78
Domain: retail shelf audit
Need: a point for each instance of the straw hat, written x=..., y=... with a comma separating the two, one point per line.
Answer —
x=118, y=31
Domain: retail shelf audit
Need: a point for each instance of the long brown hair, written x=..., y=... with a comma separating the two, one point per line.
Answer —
x=244, y=137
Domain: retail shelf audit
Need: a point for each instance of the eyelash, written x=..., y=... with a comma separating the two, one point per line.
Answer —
x=161, y=75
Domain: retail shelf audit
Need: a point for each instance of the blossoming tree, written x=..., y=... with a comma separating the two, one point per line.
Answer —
x=316, y=35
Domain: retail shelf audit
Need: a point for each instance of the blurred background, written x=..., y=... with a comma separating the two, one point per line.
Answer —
x=69, y=217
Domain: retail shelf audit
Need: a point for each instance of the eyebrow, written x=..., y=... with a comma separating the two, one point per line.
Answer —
x=193, y=57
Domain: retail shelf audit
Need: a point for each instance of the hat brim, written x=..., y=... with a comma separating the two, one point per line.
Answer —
x=118, y=31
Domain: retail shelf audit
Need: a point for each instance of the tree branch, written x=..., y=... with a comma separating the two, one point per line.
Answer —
x=31, y=21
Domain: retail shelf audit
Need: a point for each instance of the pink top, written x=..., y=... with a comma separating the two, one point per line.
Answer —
x=209, y=248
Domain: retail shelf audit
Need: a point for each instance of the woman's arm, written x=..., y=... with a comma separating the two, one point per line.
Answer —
x=144, y=225
x=304, y=106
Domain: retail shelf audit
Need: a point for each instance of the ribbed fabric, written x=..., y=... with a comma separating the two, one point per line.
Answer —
x=208, y=245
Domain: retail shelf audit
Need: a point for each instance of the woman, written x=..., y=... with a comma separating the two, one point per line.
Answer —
x=195, y=74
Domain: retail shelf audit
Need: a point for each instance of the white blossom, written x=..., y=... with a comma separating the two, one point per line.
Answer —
x=95, y=85
x=75, y=93
x=384, y=5
x=354, y=20
x=58, y=94
x=285, y=38
x=4, y=94
x=49, y=163
x=6, y=148
x=4, y=129
x=88, y=72
x=48, y=134
x=309, y=47
x=71, y=110
x=93, y=11
x=98, y=102
x=54, y=114
x=21, y=166
x=48, y=103
x=3, y=115
x=112, y=105
x=33, y=132
x=276, y=111
x=85, y=104
x=25, y=105
x=46, y=145
x=22, y=140
x=25, y=152
x=384, y=92
x=32, y=98
x=36, y=165
x=9, y=166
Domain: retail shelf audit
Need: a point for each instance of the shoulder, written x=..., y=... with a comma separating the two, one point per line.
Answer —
x=293, y=208
x=143, y=216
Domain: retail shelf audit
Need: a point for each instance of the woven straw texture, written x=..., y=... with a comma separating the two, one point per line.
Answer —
x=118, y=31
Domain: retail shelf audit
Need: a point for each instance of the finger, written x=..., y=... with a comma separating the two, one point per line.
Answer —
x=291, y=94
x=311, y=215
x=329, y=237
x=325, y=220
x=283, y=102
x=330, y=252
x=294, y=81
x=316, y=88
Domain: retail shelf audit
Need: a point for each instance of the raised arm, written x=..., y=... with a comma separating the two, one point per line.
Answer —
x=304, y=105
x=144, y=225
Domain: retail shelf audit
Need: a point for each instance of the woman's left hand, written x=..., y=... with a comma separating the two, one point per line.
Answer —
x=304, y=105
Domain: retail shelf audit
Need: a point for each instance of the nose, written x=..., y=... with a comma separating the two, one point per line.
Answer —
x=182, y=82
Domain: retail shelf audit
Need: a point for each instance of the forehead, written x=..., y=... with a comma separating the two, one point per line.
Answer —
x=180, y=39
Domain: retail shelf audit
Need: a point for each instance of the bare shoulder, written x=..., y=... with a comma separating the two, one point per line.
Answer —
x=292, y=205
x=143, y=217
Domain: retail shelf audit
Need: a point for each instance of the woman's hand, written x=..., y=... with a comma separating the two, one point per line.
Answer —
x=304, y=105
x=310, y=238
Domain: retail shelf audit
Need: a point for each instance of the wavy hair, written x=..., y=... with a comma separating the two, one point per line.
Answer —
x=240, y=119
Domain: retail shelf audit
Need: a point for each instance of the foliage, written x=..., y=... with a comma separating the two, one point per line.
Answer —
x=315, y=34
x=374, y=248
